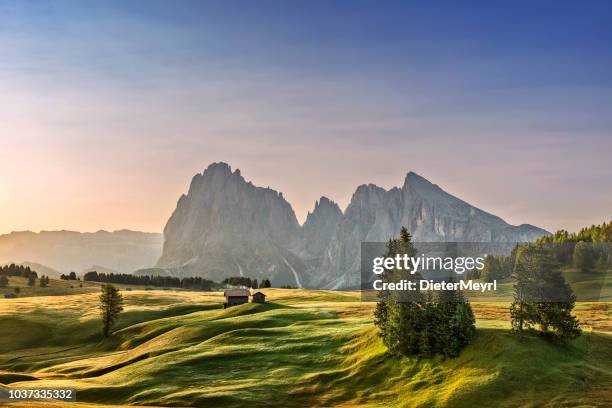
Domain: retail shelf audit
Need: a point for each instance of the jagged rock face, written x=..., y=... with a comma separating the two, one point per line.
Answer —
x=429, y=213
x=319, y=228
x=225, y=227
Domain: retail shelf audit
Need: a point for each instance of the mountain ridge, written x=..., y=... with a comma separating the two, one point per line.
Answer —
x=64, y=251
x=227, y=226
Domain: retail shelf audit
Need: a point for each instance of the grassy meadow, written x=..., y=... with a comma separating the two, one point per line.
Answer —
x=301, y=348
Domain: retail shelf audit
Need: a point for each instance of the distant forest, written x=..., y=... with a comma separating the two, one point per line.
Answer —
x=17, y=270
x=588, y=250
x=148, y=280
x=173, y=282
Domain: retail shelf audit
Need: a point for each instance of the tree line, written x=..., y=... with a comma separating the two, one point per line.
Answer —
x=152, y=280
x=587, y=250
x=17, y=270
x=245, y=281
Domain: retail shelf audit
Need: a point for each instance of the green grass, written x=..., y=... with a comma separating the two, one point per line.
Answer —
x=304, y=348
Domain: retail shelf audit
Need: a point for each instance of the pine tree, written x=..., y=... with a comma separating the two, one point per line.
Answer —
x=111, y=304
x=31, y=280
x=401, y=318
x=456, y=322
x=3, y=281
x=417, y=323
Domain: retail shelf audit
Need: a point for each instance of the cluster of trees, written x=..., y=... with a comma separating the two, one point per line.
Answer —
x=17, y=270
x=587, y=249
x=22, y=271
x=542, y=297
x=70, y=276
x=150, y=280
x=418, y=324
x=43, y=281
x=594, y=233
x=241, y=281
x=245, y=281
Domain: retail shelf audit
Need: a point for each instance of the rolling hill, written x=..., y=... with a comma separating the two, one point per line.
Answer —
x=303, y=348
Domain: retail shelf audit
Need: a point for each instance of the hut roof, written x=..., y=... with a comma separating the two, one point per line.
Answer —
x=237, y=292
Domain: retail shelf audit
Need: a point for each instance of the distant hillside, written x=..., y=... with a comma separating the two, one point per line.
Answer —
x=41, y=269
x=65, y=251
x=226, y=226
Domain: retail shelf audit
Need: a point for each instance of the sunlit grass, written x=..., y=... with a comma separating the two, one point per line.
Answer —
x=302, y=348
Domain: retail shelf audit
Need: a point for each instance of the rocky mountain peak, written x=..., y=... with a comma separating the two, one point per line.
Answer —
x=225, y=226
x=325, y=204
x=325, y=211
x=415, y=181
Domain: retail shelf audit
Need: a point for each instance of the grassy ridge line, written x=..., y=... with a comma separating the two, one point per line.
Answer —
x=302, y=352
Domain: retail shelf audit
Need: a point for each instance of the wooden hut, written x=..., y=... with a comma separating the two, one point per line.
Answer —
x=235, y=297
x=259, y=298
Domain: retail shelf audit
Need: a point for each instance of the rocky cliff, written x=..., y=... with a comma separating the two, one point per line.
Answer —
x=225, y=226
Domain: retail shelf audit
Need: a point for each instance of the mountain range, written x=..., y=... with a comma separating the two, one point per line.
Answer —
x=54, y=252
x=226, y=226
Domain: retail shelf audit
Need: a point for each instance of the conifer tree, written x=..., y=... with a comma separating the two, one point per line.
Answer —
x=111, y=304
x=401, y=317
x=456, y=321
x=420, y=324
x=542, y=297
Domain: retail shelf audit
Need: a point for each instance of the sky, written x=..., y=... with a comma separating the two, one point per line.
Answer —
x=108, y=109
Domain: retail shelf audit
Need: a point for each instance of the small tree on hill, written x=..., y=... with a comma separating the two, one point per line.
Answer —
x=44, y=281
x=31, y=280
x=111, y=304
x=3, y=281
x=542, y=296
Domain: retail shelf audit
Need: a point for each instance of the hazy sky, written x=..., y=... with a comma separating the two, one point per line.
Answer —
x=108, y=110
